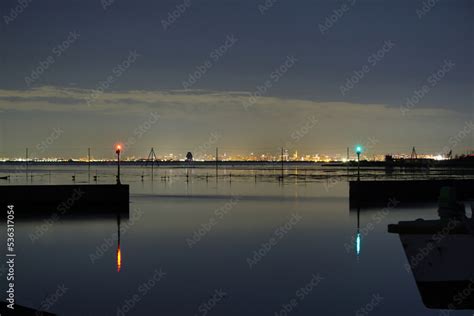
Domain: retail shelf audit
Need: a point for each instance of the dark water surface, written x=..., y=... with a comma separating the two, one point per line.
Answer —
x=235, y=247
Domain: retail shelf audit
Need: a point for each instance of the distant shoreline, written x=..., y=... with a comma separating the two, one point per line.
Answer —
x=403, y=163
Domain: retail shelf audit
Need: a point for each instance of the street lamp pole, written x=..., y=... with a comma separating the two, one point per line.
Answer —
x=358, y=151
x=118, y=163
x=358, y=166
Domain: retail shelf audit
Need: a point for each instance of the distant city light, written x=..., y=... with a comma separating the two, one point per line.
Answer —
x=249, y=156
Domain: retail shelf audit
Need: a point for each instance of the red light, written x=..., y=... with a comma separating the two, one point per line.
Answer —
x=118, y=148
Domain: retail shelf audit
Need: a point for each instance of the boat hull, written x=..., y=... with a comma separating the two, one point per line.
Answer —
x=441, y=257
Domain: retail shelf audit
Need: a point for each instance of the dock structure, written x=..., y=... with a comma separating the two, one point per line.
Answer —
x=65, y=198
x=380, y=192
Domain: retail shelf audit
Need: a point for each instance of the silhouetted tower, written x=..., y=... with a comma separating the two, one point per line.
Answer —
x=189, y=156
x=152, y=158
x=413, y=153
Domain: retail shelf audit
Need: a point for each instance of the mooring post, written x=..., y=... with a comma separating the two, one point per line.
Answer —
x=282, y=166
x=26, y=162
x=89, y=164
x=217, y=163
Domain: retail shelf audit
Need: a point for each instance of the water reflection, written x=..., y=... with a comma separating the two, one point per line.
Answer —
x=119, y=253
x=357, y=235
x=85, y=246
x=43, y=225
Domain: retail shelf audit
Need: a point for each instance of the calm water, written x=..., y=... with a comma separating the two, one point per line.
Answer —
x=235, y=247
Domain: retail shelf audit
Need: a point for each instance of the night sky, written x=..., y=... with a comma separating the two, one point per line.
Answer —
x=317, y=76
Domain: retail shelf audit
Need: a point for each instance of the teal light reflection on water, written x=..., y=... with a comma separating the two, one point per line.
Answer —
x=358, y=243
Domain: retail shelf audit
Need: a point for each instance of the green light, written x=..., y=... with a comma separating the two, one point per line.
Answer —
x=358, y=149
x=358, y=244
